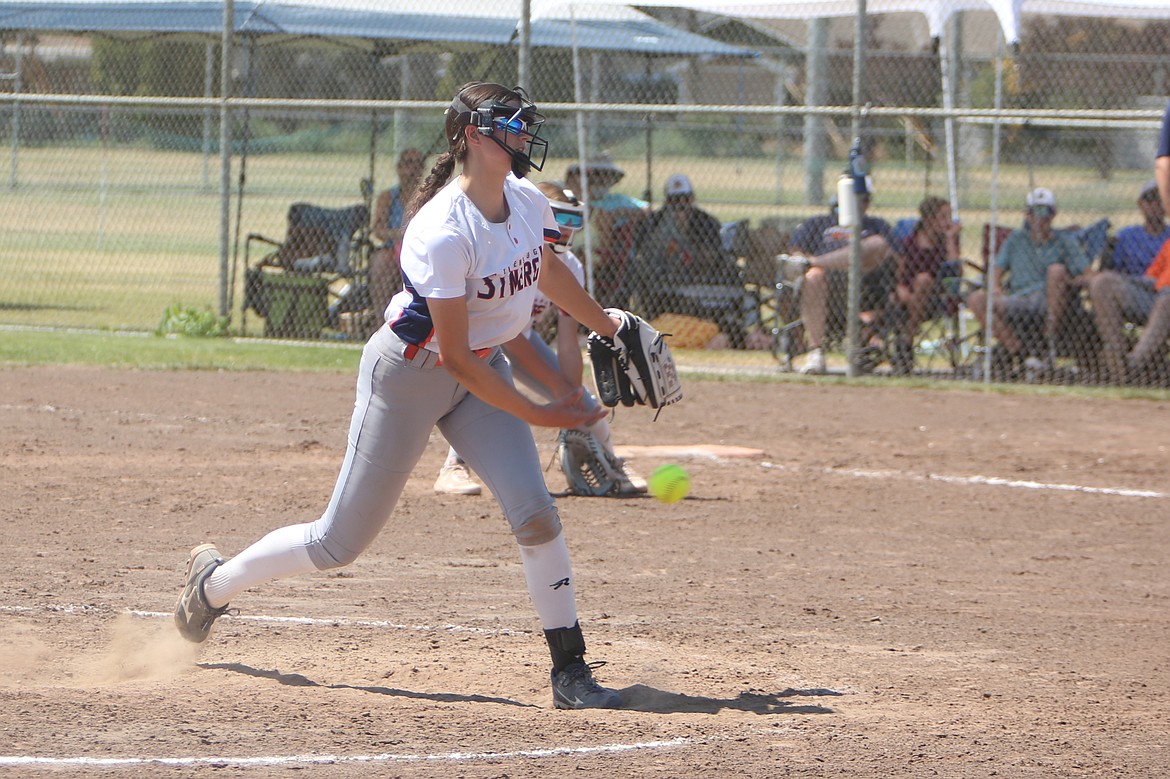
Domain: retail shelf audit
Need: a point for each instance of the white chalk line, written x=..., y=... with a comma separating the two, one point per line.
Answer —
x=70, y=608
x=993, y=481
x=444, y=757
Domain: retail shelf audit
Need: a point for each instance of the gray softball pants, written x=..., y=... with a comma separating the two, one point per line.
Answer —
x=399, y=402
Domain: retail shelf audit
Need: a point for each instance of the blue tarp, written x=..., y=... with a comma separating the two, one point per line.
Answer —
x=133, y=19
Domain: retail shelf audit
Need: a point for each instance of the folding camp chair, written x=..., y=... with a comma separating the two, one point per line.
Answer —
x=317, y=278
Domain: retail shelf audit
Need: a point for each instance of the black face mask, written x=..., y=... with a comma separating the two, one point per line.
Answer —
x=519, y=120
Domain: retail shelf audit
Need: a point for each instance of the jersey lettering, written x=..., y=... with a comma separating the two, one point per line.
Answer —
x=523, y=274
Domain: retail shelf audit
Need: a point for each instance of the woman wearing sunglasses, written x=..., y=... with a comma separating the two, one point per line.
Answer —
x=455, y=478
x=473, y=256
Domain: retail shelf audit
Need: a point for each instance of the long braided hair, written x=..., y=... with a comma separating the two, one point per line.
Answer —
x=472, y=95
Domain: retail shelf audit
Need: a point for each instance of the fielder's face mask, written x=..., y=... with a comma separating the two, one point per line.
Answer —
x=570, y=215
x=520, y=122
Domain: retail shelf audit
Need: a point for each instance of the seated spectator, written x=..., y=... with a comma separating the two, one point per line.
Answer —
x=1149, y=347
x=614, y=218
x=933, y=242
x=1043, y=269
x=680, y=264
x=1125, y=293
x=387, y=225
x=820, y=249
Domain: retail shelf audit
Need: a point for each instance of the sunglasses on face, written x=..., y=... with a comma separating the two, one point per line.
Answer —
x=569, y=219
x=1043, y=212
x=1152, y=197
x=513, y=124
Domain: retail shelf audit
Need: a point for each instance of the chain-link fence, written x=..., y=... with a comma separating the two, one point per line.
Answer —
x=116, y=211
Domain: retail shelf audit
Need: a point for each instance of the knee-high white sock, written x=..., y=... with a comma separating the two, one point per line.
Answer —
x=278, y=555
x=550, y=583
x=453, y=457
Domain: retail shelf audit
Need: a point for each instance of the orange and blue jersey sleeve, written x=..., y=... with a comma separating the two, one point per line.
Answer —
x=1159, y=269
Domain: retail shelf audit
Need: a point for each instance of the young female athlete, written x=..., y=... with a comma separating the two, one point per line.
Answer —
x=454, y=477
x=473, y=257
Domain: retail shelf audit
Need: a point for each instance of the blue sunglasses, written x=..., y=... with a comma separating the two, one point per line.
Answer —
x=569, y=219
x=513, y=124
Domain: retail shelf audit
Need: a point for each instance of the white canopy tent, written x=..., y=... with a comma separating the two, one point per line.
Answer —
x=1011, y=12
x=937, y=13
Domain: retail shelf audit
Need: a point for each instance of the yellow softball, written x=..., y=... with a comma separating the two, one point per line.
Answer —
x=670, y=483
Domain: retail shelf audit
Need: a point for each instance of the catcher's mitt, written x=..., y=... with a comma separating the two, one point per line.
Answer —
x=589, y=470
x=635, y=366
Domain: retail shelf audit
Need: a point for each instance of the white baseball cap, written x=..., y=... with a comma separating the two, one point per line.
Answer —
x=1041, y=197
x=678, y=184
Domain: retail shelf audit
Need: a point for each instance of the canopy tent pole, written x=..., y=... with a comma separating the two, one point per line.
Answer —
x=17, y=76
x=992, y=249
x=648, y=193
x=524, y=56
x=246, y=135
x=946, y=67
x=581, y=152
x=815, y=88
x=853, y=324
x=225, y=157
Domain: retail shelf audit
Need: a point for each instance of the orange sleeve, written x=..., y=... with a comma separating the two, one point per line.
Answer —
x=1159, y=269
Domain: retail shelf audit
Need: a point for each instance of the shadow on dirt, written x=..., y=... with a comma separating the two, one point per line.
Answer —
x=299, y=680
x=639, y=697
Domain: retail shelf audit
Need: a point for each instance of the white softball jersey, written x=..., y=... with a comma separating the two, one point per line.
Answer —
x=450, y=250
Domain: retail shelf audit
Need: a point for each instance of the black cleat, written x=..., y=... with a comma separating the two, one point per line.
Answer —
x=574, y=688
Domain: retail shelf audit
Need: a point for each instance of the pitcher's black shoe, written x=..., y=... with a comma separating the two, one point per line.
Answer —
x=574, y=688
x=193, y=615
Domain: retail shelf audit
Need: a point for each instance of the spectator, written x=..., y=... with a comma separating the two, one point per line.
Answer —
x=934, y=241
x=1043, y=269
x=603, y=174
x=819, y=249
x=1157, y=328
x=1125, y=293
x=1158, y=325
x=614, y=219
x=680, y=265
x=387, y=226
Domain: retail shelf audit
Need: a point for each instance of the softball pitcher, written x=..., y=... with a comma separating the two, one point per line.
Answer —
x=473, y=257
x=455, y=478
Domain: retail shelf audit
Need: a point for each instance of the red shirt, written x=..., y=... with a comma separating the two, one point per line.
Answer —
x=916, y=260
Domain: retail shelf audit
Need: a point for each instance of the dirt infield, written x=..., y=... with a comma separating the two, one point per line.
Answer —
x=864, y=600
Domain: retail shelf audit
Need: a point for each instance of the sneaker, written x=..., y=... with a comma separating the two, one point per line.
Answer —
x=815, y=362
x=194, y=616
x=630, y=483
x=456, y=480
x=574, y=688
x=792, y=266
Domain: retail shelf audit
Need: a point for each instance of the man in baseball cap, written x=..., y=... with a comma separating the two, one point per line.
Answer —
x=1036, y=274
x=678, y=185
x=680, y=266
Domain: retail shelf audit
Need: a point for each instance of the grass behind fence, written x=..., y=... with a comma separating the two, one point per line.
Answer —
x=110, y=237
